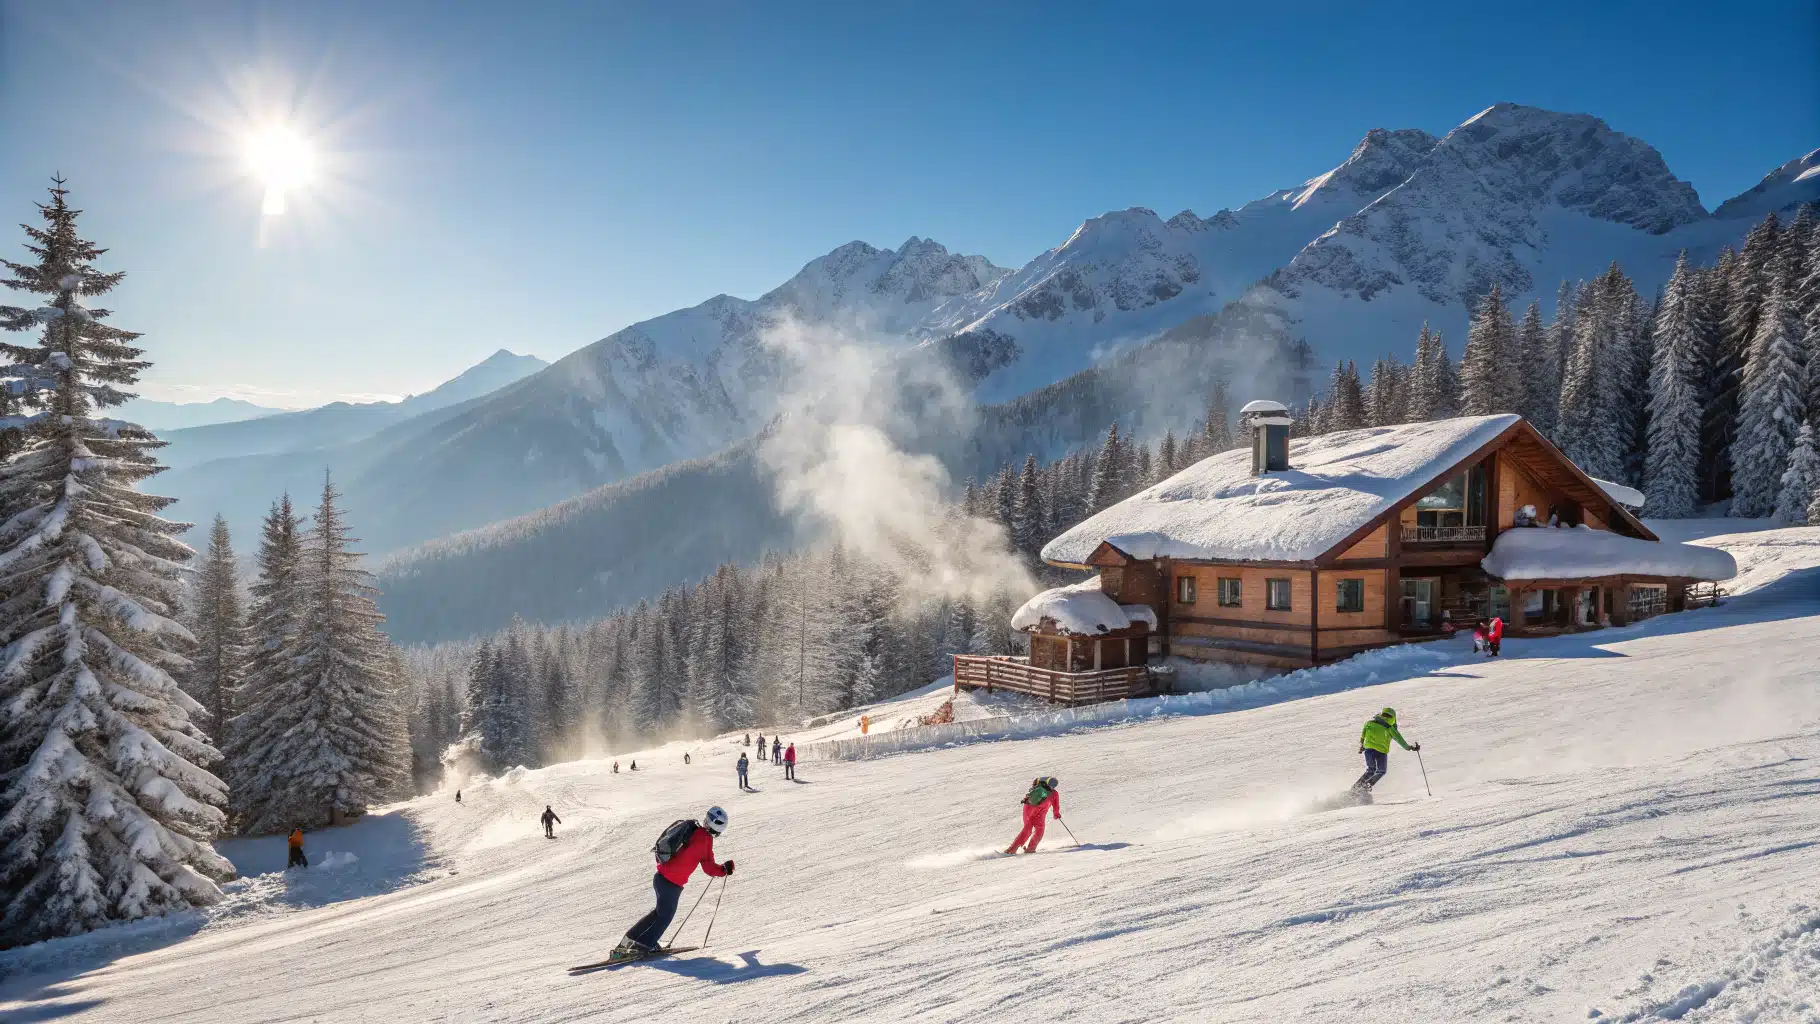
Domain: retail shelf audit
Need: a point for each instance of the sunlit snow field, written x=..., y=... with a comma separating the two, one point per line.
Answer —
x=1625, y=825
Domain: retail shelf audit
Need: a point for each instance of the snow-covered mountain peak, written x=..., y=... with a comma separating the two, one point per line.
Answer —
x=889, y=289
x=1790, y=185
x=1381, y=161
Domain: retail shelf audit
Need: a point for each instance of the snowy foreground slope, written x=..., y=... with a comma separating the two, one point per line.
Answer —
x=1625, y=826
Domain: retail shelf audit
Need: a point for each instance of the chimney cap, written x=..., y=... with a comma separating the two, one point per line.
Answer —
x=1263, y=405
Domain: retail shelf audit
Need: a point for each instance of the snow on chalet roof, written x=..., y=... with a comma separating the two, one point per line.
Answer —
x=1583, y=553
x=1629, y=497
x=1081, y=609
x=1217, y=510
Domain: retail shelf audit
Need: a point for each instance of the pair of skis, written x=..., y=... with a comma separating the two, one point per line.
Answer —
x=621, y=961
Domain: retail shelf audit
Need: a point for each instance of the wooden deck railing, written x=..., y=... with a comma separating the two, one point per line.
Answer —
x=1018, y=676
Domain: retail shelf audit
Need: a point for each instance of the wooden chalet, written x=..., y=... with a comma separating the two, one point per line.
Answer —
x=1288, y=553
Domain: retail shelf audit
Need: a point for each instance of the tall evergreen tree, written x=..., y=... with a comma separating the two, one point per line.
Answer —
x=1108, y=486
x=219, y=665
x=1771, y=408
x=265, y=704
x=1216, y=435
x=106, y=803
x=1488, y=371
x=1345, y=398
x=1800, y=482
x=1671, y=477
x=1027, y=526
x=350, y=752
x=1538, y=371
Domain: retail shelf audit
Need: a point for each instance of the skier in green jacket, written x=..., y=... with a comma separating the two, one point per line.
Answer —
x=1374, y=743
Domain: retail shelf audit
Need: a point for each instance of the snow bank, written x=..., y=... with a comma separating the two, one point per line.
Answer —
x=1215, y=509
x=1081, y=608
x=1583, y=553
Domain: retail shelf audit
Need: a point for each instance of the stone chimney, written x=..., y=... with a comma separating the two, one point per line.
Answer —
x=1268, y=423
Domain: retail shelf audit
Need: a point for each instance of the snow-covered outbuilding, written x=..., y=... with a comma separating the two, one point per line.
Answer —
x=1289, y=553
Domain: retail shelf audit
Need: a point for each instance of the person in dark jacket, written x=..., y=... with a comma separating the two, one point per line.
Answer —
x=668, y=884
x=777, y=750
x=763, y=751
x=549, y=819
x=741, y=768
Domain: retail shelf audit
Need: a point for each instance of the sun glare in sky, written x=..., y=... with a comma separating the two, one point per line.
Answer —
x=282, y=160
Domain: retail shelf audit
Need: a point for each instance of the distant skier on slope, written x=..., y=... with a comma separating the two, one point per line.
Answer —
x=298, y=860
x=685, y=757
x=549, y=819
x=777, y=750
x=790, y=763
x=741, y=768
x=1045, y=796
x=1374, y=743
x=762, y=756
x=683, y=846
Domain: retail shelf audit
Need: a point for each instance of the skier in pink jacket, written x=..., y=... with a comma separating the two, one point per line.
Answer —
x=1045, y=796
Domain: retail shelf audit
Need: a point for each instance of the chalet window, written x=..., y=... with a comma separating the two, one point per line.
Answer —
x=1276, y=595
x=1647, y=600
x=1184, y=590
x=1351, y=596
x=1454, y=511
x=1232, y=594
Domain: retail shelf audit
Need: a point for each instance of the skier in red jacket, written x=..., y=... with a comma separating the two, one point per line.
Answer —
x=668, y=882
x=1045, y=796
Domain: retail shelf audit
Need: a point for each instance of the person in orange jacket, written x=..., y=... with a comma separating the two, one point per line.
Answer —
x=1045, y=796
x=298, y=860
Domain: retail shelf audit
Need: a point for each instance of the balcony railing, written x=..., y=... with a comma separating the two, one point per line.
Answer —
x=1443, y=534
x=1018, y=675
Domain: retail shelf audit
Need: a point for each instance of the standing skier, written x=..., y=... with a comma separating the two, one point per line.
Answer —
x=761, y=748
x=741, y=767
x=790, y=763
x=688, y=844
x=777, y=750
x=298, y=860
x=1045, y=796
x=1374, y=743
x=549, y=818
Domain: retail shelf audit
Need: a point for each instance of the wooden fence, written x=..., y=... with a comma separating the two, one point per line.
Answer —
x=1019, y=676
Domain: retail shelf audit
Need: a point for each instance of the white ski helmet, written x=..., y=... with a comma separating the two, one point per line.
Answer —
x=715, y=820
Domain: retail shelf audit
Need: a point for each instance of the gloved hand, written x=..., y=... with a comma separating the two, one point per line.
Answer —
x=727, y=867
x=1361, y=748
x=1415, y=746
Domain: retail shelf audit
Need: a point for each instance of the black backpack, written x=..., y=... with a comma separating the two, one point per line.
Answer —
x=675, y=838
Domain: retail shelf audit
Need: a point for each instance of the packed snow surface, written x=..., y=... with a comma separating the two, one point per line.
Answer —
x=1583, y=553
x=1216, y=509
x=1081, y=608
x=1622, y=828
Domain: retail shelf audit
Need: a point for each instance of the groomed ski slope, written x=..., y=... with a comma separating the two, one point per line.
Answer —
x=1625, y=826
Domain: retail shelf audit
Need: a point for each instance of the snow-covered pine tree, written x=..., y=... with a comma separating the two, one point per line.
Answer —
x=1538, y=371
x=1027, y=509
x=1385, y=399
x=1586, y=431
x=1488, y=370
x=106, y=806
x=1166, y=465
x=1632, y=395
x=1108, y=485
x=1771, y=408
x=219, y=665
x=351, y=751
x=1671, y=472
x=1447, y=381
x=267, y=704
x=1800, y=482
x=1738, y=303
x=1345, y=398
x=1216, y=435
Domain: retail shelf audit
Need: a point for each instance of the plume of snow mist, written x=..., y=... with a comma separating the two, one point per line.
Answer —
x=842, y=468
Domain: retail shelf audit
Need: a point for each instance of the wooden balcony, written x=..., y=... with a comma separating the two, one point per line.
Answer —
x=1443, y=534
x=1071, y=688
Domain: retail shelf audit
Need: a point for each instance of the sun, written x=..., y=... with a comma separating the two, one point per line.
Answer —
x=282, y=160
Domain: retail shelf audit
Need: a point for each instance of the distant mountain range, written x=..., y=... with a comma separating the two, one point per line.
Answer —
x=1129, y=318
x=164, y=416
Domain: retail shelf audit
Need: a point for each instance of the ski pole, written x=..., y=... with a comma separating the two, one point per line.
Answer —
x=690, y=914
x=1064, y=824
x=1424, y=768
x=716, y=914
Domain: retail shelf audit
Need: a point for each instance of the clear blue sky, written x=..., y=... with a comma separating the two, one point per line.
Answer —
x=538, y=175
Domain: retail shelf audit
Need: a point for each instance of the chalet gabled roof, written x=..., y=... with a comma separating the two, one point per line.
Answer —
x=1336, y=485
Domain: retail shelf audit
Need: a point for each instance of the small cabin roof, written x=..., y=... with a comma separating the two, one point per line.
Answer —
x=1582, y=553
x=1082, y=609
x=1263, y=405
x=1217, y=510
